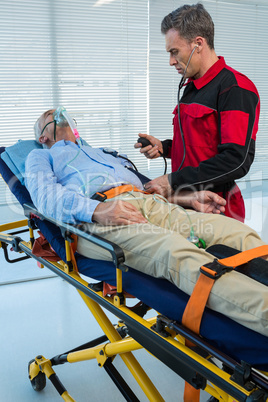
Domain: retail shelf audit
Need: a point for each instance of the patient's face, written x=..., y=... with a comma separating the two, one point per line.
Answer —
x=62, y=133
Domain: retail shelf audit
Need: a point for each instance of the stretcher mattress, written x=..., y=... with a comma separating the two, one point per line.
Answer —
x=231, y=338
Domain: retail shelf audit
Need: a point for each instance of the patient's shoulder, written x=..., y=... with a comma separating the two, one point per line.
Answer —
x=37, y=157
x=39, y=153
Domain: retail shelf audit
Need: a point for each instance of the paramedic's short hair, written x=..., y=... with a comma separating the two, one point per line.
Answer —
x=37, y=132
x=190, y=22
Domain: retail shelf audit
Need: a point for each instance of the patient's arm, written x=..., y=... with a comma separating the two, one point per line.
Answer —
x=117, y=213
x=123, y=213
x=63, y=203
x=200, y=201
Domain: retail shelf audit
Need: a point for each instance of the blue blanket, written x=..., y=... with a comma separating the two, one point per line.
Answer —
x=15, y=156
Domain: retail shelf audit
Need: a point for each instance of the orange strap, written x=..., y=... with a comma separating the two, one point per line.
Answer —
x=191, y=394
x=245, y=256
x=194, y=310
x=113, y=192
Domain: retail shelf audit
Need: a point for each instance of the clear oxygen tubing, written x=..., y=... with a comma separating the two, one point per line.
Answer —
x=160, y=199
x=62, y=117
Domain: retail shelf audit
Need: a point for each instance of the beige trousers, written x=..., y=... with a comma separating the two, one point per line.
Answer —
x=160, y=248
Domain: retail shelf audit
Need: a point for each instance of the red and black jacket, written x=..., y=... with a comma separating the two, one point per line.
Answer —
x=219, y=117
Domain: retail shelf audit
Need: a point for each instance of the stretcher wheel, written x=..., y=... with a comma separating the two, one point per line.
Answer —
x=39, y=382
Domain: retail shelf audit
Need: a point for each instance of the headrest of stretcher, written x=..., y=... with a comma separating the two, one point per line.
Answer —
x=15, y=156
x=19, y=190
x=50, y=231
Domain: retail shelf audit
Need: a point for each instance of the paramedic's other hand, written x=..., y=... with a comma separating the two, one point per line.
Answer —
x=160, y=185
x=200, y=201
x=151, y=151
x=208, y=202
x=117, y=213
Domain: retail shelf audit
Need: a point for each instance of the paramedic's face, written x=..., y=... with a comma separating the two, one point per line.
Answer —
x=179, y=50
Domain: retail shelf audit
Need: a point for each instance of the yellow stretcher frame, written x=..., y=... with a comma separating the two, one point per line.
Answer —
x=158, y=335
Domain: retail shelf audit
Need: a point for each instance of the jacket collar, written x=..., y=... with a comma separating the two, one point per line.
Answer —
x=210, y=74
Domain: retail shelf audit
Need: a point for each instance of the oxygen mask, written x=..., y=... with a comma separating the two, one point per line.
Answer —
x=63, y=119
x=59, y=117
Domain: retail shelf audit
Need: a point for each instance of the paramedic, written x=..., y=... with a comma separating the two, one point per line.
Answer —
x=219, y=112
x=152, y=233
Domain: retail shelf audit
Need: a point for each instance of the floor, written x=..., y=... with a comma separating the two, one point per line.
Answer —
x=42, y=314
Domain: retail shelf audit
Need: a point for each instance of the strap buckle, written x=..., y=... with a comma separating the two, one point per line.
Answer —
x=215, y=269
x=99, y=197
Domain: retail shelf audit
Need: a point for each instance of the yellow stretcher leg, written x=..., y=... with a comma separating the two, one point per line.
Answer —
x=39, y=369
x=133, y=365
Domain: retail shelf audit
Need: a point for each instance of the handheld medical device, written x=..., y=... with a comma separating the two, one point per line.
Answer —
x=144, y=143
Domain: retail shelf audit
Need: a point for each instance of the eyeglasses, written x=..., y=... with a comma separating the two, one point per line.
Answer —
x=55, y=124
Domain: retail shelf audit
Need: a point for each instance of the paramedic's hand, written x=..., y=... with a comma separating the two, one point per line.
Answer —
x=117, y=213
x=200, y=201
x=208, y=202
x=160, y=185
x=151, y=151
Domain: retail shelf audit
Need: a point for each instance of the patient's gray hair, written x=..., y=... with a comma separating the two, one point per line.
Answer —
x=37, y=132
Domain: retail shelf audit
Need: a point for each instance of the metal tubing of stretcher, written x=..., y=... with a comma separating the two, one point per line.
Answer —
x=51, y=375
x=133, y=365
x=111, y=349
x=231, y=363
x=119, y=282
x=115, y=251
x=170, y=358
x=119, y=381
x=68, y=252
x=217, y=393
x=13, y=225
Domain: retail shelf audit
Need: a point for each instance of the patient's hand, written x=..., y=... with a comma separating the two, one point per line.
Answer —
x=117, y=213
x=201, y=201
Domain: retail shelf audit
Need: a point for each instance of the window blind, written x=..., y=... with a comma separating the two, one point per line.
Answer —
x=105, y=61
x=89, y=56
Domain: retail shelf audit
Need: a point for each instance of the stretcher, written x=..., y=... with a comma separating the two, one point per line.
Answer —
x=227, y=360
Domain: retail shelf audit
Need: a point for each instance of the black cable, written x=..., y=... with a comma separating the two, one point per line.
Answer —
x=179, y=120
x=165, y=161
x=116, y=154
x=145, y=142
x=123, y=157
x=182, y=82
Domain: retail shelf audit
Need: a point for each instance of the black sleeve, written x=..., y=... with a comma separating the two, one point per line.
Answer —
x=232, y=162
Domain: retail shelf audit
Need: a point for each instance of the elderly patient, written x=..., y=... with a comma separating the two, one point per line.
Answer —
x=151, y=231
